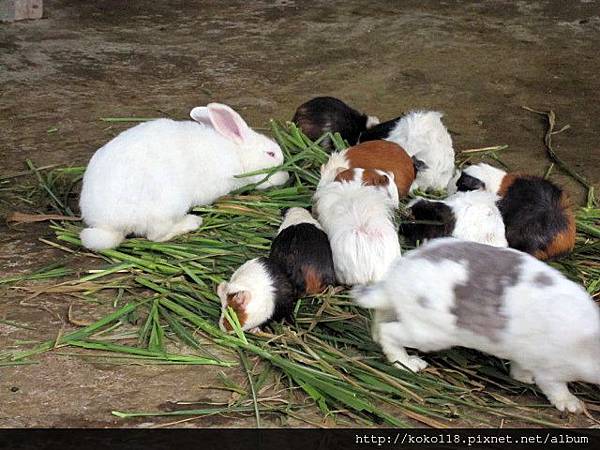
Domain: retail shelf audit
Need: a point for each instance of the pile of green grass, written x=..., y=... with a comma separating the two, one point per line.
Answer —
x=327, y=353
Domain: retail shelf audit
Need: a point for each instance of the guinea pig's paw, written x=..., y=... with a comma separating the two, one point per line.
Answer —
x=414, y=363
x=568, y=402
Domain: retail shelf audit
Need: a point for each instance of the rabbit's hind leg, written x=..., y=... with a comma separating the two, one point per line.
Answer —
x=165, y=231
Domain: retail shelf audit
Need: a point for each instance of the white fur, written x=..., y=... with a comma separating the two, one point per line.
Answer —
x=477, y=217
x=552, y=332
x=253, y=278
x=336, y=163
x=358, y=221
x=423, y=135
x=295, y=216
x=490, y=175
x=146, y=179
x=372, y=121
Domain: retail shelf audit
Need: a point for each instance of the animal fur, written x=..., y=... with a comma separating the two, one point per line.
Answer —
x=500, y=301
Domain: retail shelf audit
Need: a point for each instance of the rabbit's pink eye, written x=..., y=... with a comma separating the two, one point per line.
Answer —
x=271, y=154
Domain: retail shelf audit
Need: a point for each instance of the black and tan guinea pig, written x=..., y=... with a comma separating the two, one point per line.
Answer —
x=329, y=114
x=537, y=214
x=266, y=289
x=301, y=248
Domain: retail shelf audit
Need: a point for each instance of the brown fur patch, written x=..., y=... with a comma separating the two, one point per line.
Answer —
x=345, y=175
x=312, y=280
x=370, y=177
x=564, y=241
x=386, y=156
x=507, y=181
x=233, y=300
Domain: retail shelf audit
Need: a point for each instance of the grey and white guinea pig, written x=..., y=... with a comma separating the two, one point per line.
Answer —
x=259, y=291
x=471, y=216
x=507, y=303
x=329, y=114
x=302, y=250
x=537, y=214
x=426, y=140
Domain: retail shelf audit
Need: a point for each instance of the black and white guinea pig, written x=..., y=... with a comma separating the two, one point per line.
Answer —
x=329, y=114
x=266, y=289
x=301, y=248
x=537, y=214
x=259, y=291
x=471, y=216
x=426, y=140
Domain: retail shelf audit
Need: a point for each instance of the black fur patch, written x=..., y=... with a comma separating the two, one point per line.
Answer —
x=468, y=183
x=379, y=131
x=285, y=294
x=323, y=114
x=532, y=213
x=440, y=218
x=418, y=164
x=303, y=246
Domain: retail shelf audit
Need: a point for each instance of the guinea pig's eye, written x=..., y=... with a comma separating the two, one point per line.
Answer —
x=271, y=154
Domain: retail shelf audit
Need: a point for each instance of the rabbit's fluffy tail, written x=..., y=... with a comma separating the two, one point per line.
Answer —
x=372, y=297
x=100, y=238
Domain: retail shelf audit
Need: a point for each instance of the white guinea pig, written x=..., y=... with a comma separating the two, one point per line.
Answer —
x=356, y=212
x=425, y=138
x=146, y=179
x=497, y=300
x=472, y=216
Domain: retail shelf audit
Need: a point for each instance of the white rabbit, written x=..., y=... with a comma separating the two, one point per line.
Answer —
x=146, y=179
x=500, y=301
x=356, y=212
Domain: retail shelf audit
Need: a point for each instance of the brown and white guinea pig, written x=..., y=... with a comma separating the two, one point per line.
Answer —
x=329, y=114
x=537, y=214
x=258, y=291
x=471, y=216
x=380, y=155
x=357, y=214
x=425, y=138
x=301, y=248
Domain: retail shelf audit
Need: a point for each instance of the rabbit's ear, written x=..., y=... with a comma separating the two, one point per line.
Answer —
x=227, y=122
x=200, y=115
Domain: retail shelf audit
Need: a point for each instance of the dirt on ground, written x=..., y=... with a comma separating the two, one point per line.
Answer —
x=478, y=62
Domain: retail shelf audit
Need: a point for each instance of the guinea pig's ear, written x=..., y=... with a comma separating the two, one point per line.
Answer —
x=240, y=300
x=284, y=211
x=418, y=164
x=221, y=289
x=200, y=115
x=228, y=123
x=468, y=183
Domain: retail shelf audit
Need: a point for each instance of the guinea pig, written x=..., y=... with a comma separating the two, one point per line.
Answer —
x=537, y=214
x=328, y=114
x=471, y=216
x=358, y=218
x=500, y=301
x=425, y=138
x=301, y=248
x=382, y=155
x=258, y=291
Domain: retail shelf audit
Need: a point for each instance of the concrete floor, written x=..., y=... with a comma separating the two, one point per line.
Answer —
x=479, y=62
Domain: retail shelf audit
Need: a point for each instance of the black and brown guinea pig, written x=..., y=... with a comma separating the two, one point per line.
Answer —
x=537, y=214
x=329, y=114
x=301, y=248
x=266, y=289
